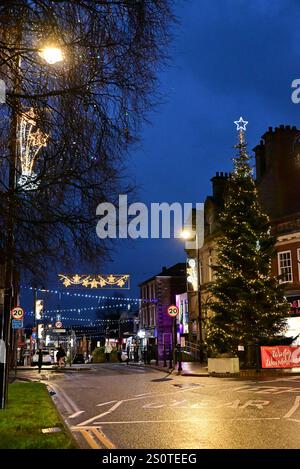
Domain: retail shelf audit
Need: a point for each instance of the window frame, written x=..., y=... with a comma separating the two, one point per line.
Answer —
x=279, y=267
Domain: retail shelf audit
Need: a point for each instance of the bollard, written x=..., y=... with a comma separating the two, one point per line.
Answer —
x=165, y=357
x=156, y=355
x=170, y=357
x=179, y=359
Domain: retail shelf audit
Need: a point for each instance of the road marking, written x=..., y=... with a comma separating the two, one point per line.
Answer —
x=237, y=404
x=103, y=438
x=293, y=409
x=73, y=416
x=114, y=407
x=129, y=422
x=255, y=403
x=92, y=434
x=105, y=403
x=275, y=390
x=294, y=420
x=89, y=439
x=67, y=402
x=128, y=400
x=142, y=395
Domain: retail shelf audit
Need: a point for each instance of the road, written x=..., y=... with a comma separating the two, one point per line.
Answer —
x=119, y=406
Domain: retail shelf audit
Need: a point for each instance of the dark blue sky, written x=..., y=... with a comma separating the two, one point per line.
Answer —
x=228, y=58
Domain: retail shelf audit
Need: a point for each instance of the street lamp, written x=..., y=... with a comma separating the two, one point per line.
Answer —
x=189, y=235
x=52, y=55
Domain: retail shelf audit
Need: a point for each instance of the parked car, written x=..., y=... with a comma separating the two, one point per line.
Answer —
x=79, y=359
x=47, y=359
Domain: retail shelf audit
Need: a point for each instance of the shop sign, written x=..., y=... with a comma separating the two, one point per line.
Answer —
x=280, y=356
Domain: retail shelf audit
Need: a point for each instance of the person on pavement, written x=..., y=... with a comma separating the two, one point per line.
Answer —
x=60, y=356
x=40, y=359
x=107, y=351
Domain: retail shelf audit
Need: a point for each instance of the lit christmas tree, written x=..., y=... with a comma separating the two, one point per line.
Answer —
x=249, y=303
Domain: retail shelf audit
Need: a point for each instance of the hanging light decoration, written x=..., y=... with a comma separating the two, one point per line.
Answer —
x=30, y=143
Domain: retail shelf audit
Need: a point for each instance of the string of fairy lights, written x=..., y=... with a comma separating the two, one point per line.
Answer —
x=87, y=295
x=127, y=303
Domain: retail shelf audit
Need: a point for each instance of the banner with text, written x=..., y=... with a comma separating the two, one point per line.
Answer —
x=280, y=356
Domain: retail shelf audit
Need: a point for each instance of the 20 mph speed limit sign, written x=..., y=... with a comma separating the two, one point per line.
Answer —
x=173, y=311
x=17, y=313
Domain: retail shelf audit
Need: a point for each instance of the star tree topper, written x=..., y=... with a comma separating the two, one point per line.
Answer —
x=241, y=124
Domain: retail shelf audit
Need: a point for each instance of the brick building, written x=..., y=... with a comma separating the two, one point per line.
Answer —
x=278, y=179
x=157, y=293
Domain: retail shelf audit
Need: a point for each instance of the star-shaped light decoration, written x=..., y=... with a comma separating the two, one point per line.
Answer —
x=94, y=283
x=241, y=124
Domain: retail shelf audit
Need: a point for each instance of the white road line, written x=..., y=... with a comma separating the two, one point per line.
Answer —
x=293, y=409
x=129, y=422
x=73, y=416
x=68, y=403
x=58, y=397
x=142, y=395
x=114, y=407
x=105, y=403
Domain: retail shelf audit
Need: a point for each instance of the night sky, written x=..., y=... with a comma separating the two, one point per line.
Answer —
x=228, y=58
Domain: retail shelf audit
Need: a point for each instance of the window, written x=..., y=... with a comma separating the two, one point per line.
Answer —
x=298, y=259
x=285, y=266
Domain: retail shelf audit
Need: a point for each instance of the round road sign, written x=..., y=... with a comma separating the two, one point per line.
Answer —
x=58, y=324
x=173, y=311
x=17, y=313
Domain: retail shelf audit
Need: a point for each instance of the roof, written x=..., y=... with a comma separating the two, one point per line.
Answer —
x=176, y=270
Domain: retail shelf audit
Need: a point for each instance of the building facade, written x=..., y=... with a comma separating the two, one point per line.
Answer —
x=204, y=259
x=278, y=177
x=157, y=294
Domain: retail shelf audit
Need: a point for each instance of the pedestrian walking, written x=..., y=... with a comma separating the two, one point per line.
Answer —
x=107, y=351
x=60, y=356
x=40, y=359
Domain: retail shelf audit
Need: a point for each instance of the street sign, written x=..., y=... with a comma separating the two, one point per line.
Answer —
x=59, y=330
x=17, y=313
x=58, y=324
x=173, y=311
x=17, y=323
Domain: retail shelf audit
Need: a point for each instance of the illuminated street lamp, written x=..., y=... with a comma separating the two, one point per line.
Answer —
x=52, y=55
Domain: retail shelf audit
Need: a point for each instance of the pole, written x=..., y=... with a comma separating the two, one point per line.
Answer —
x=174, y=340
x=9, y=269
x=199, y=302
x=35, y=318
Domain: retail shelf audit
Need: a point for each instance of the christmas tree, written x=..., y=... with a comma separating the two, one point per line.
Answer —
x=249, y=304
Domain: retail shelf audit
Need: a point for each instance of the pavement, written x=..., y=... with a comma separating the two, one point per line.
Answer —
x=188, y=368
x=126, y=407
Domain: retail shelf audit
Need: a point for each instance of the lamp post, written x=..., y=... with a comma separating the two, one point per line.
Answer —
x=10, y=287
x=190, y=236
